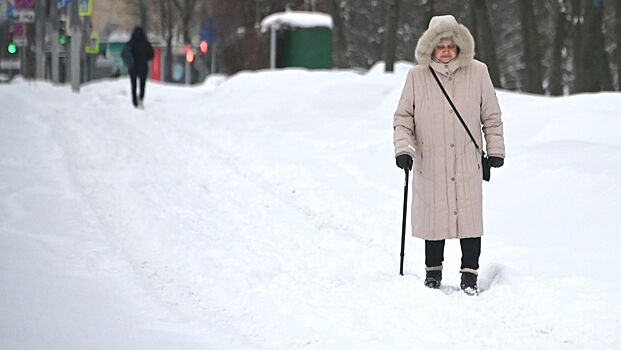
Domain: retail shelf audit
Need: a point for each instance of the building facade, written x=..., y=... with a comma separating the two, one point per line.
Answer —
x=114, y=16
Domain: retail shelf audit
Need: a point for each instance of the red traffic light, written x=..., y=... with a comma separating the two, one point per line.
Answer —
x=204, y=46
x=189, y=55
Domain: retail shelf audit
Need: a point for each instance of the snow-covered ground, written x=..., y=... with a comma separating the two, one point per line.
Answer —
x=264, y=212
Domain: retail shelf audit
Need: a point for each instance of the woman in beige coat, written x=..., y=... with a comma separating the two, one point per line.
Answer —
x=447, y=181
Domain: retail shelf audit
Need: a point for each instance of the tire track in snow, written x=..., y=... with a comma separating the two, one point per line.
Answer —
x=288, y=193
x=176, y=284
x=277, y=278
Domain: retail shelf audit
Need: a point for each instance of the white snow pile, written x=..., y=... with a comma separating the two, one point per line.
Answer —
x=264, y=212
x=297, y=19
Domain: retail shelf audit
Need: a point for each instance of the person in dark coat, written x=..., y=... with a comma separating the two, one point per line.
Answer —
x=136, y=54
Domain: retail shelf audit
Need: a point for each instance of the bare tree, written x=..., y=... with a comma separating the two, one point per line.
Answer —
x=576, y=40
x=534, y=76
x=338, y=32
x=486, y=45
x=605, y=72
x=428, y=11
x=166, y=21
x=618, y=32
x=390, y=34
x=595, y=75
x=362, y=32
x=365, y=21
x=560, y=34
x=187, y=10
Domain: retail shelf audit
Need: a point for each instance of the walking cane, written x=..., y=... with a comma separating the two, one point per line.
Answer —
x=405, y=209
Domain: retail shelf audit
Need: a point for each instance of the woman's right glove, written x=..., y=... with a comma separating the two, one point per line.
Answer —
x=496, y=162
x=404, y=161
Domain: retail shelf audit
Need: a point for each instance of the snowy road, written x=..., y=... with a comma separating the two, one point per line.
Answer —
x=264, y=213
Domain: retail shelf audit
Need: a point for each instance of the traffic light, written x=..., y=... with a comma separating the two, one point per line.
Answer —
x=189, y=55
x=11, y=48
x=63, y=38
x=204, y=46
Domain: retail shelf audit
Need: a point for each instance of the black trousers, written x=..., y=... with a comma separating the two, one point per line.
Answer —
x=470, y=253
x=133, y=76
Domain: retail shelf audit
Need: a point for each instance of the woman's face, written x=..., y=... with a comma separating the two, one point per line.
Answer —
x=445, y=51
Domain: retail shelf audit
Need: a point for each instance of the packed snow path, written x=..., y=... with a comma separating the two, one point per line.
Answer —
x=263, y=212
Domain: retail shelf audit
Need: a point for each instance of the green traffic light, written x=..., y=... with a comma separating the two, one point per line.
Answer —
x=62, y=39
x=11, y=48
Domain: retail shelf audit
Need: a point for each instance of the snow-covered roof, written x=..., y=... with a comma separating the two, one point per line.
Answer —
x=118, y=37
x=298, y=19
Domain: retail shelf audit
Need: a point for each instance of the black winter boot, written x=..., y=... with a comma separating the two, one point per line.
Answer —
x=433, y=278
x=469, y=282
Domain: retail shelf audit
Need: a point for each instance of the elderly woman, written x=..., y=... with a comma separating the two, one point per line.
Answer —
x=447, y=181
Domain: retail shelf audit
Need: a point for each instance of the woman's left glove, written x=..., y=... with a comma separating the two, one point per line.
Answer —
x=496, y=162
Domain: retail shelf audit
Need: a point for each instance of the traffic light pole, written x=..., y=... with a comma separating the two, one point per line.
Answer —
x=40, y=38
x=86, y=58
x=23, y=57
x=272, y=48
x=188, y=76
x=76, y=45
x=54, y=27
x=213, y=59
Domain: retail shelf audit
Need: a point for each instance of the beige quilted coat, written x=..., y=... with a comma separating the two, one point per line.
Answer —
x=447, y=181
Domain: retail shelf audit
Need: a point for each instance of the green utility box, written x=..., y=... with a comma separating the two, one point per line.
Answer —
x=113, y=50
x=299, y=39
x=305, y=47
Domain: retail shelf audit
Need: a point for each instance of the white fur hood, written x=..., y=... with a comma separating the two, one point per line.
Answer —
x=441, y=27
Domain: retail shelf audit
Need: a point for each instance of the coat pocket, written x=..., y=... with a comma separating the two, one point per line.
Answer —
x=472, y=158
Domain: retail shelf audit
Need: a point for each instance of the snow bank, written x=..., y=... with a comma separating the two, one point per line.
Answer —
x=263, y=212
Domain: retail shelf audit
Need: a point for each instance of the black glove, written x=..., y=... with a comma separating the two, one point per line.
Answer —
x=496, y=162
x=404, y=161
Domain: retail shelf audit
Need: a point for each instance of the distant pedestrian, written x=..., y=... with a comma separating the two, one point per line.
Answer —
x=446, y=155
x=136, y=54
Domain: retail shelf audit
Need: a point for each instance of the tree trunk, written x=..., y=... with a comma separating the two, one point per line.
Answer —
x=576, y=33
x=618, y=31
x=390, y=35
x=592, y=50
x=605, y=72
x=340, y=47
x=187, y=14
x=167, y=30
x=428, y=12
x=534, y=76
x=587, y=75
x=485, y=39
x=560, y=33
x=474, y=28
x=187, y=19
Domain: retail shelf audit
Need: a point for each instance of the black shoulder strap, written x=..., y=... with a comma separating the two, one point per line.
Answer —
x=454, y=108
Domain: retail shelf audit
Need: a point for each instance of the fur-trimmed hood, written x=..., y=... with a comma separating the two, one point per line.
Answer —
x=441, y=27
